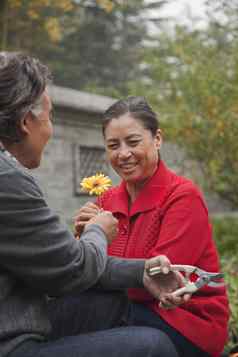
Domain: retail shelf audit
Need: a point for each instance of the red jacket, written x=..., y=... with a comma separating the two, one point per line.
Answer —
x=169, y=217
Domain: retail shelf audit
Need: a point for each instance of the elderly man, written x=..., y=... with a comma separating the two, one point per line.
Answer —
x=44, y=270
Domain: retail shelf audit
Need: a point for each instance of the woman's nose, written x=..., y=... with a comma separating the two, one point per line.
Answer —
x=124, y=152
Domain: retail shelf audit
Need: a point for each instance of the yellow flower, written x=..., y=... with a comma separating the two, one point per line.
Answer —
x=96, y=185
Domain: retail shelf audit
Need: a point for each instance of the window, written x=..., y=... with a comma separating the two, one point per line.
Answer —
x=87, y=162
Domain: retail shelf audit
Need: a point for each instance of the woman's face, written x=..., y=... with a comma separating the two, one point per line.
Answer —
x=131, y=149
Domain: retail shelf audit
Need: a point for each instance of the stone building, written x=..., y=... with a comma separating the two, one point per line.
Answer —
x=76, y=151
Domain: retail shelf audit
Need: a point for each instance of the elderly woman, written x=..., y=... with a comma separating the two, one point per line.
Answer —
x=160, y=212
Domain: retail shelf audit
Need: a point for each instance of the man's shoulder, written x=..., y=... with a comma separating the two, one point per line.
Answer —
x=15, y=177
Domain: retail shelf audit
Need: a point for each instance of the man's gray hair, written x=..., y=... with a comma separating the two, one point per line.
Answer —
x=23, y=80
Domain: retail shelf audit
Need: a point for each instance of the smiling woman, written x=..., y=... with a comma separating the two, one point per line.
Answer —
x=160, y=212
x=132, y=143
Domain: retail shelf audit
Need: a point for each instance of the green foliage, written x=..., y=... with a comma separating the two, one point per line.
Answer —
x=91, y=45
x=193, y=83
x=226, y=233
x=103, y=50
x=229, y=266
x=18, y=18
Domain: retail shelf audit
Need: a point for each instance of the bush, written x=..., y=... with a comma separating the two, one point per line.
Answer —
x=226, y=235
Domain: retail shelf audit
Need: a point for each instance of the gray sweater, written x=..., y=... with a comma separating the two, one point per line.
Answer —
x=39, y=257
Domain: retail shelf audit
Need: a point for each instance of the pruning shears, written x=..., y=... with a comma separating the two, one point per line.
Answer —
x=190, y=287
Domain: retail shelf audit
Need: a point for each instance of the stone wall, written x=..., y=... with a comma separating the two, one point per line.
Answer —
x=76, y=127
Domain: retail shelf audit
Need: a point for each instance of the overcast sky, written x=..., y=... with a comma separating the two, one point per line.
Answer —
x=181, y=10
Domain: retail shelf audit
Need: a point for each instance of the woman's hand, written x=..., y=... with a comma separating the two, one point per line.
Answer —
x=161, y=286
x=86, y=212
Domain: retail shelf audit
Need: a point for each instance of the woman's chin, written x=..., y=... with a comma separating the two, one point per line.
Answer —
x=133, y=178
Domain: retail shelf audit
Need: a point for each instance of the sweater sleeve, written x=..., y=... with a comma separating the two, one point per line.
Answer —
x=185, y=233
x=37, y=248
x=122, y=274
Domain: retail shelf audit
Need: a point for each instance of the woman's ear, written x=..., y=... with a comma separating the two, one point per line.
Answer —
x=158, y=139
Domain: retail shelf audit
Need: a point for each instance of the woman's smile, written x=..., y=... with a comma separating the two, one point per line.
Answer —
x=127, y=167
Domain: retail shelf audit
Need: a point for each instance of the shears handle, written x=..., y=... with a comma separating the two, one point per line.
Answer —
x=189, y=288
x=188, y=269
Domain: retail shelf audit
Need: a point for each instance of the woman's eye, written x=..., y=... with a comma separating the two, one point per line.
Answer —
x=112, y=146
x=134, y=142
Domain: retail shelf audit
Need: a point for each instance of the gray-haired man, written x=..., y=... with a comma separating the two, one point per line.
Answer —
x=43, y=268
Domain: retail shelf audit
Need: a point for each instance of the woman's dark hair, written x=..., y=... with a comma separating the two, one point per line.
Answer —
x=23, y=80
x=137, y=107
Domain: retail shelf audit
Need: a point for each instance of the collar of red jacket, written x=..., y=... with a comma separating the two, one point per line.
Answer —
x=152, y=194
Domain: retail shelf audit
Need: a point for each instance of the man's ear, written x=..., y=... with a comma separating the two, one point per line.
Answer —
x=25, y=124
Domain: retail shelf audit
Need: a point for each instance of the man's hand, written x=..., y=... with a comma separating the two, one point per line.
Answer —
x=161, y=286
x=107, y=222
x=86, y=212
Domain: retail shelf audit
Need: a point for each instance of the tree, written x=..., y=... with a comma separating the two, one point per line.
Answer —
x=19, y=18
x=93, y=45
x=104, y=49
x=192, y=79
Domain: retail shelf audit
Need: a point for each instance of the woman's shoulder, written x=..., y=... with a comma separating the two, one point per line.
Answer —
x=188, y=193
x=108, y=195
x=180, y=185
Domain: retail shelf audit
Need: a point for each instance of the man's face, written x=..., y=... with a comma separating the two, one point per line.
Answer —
x=40, y=131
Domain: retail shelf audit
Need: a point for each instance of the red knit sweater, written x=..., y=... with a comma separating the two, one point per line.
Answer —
x=169, y=217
